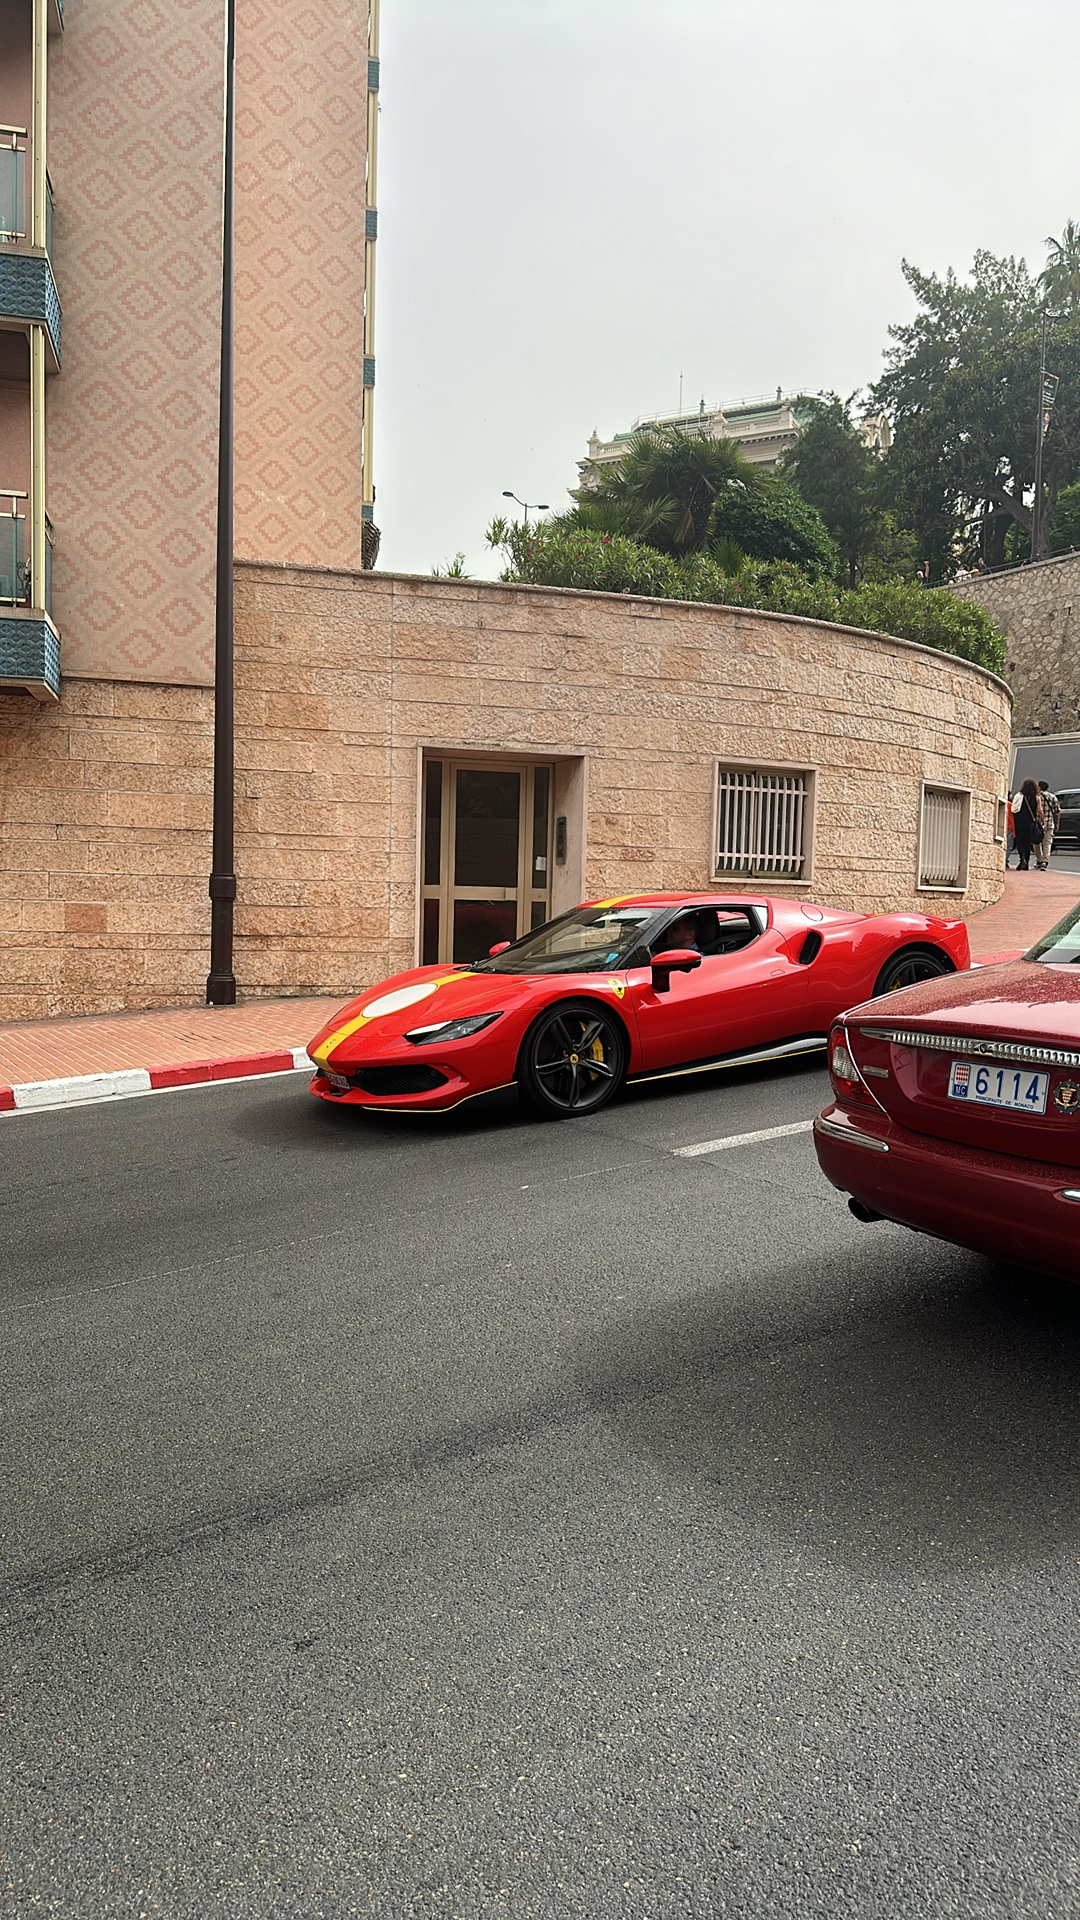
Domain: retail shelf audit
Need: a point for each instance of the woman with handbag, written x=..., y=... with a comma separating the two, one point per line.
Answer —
x=1029, y=823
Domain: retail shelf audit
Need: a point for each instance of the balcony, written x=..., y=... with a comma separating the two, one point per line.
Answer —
x=29, y=653
x=29, y=643
x=27, y=287
x=12, y=185
x=15, y=570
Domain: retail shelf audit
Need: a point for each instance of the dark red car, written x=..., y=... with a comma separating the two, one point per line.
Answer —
x=957, y=1107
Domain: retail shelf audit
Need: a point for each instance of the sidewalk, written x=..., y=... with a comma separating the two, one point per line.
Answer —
x=46, y=1062
x=1030, y=905
x=177, y=1046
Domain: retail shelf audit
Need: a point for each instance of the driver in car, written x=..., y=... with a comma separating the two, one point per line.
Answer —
x=683, y=933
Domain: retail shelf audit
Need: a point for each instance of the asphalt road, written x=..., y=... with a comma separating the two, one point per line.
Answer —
x=483, y=1517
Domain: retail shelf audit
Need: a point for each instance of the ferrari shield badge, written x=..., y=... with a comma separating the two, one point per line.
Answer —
x=618, y=988
x=1067, y=1097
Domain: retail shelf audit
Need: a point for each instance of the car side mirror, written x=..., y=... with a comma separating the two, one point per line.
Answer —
x=499, y=947
x=679, y=960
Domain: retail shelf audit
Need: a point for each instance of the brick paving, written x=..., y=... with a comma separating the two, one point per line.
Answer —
x=36, y=1050
x=109, y=1042
x=1029, y=906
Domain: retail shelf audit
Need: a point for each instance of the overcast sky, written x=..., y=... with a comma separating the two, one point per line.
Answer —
x=582, y=200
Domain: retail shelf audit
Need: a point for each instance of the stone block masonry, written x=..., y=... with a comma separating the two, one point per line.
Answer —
x=343, y=679
x=1038, y=608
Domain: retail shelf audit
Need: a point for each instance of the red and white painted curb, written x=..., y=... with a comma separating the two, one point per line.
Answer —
x=133, y=1080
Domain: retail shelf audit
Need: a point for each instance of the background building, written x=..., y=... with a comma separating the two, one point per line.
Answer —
x=111, y=168
x=763, y=430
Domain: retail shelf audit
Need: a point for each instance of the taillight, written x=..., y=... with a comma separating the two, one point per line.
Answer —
x=842, y=1071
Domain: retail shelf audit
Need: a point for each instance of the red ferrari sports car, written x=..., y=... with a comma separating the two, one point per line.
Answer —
x=957, y=1107
x=637, y=987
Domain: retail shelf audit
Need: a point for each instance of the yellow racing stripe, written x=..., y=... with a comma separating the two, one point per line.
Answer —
x=346, y=1031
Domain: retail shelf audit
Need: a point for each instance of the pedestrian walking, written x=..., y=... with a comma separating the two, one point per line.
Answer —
x=1010, y=837
x=1029, y=823
x=1052, y=820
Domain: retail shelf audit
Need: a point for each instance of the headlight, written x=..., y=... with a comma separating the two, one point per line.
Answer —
x=451, y=1029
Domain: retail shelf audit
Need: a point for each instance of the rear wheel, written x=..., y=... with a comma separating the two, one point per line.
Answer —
x=907, y=967
x=573, y=1060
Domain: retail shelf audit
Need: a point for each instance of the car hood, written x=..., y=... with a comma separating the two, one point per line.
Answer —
x=1022, y=999
x=426, y=995
x=415, y=999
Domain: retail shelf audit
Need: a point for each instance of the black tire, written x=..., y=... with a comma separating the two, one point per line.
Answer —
x=573, y=1060
x=907, y=966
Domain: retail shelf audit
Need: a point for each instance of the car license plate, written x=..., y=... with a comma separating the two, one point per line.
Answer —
x=339, y=1081
x=1014, y=1087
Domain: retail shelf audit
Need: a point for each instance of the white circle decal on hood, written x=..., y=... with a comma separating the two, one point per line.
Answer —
x=403, y=997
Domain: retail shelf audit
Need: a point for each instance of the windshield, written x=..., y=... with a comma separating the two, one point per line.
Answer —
x=585, y=941
x=1061, y=946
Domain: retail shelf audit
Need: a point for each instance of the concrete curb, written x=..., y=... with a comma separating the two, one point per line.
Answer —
x=84, y=1087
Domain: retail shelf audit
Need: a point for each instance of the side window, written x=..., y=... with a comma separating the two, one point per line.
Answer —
x=709, y=930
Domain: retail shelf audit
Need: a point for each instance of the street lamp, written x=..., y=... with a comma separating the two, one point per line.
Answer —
x=535, y=506
x=1048, y=386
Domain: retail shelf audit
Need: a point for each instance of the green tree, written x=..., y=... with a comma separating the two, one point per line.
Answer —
x=835, y=471
x=685, y=493
x=960, y=386
x=1060, y=278
x=665, y=488
x=776, y=523
x=1065, y=524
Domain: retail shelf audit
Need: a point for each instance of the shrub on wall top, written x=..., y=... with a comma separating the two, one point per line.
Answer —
x=554, y=553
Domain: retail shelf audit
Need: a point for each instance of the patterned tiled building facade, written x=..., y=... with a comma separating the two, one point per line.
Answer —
x=113, y=109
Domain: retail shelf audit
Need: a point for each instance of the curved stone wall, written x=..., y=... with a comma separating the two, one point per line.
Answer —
x=344, y=680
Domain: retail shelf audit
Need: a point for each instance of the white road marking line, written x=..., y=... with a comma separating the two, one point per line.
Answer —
x=742, y=1139
x=592, y=1174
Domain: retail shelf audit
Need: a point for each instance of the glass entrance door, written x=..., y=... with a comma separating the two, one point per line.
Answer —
x=485, y=859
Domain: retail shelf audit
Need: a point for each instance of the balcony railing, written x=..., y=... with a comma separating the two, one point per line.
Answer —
x=13, y=173
x=16, y=582
x=14, y=571
x=12, y=184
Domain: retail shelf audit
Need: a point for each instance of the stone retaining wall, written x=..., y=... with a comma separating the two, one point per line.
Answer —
x=343, y=679
x=1038, y=607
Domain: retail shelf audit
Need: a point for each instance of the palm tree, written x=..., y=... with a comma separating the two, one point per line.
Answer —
x=1062, y=270
x=664, y=489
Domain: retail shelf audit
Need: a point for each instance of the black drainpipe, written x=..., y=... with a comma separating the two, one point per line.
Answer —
x=221, y=981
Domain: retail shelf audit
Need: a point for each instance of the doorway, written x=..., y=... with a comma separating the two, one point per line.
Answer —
x=485, y=857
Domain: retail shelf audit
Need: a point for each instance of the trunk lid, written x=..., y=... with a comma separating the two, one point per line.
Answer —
x=1013, y=1031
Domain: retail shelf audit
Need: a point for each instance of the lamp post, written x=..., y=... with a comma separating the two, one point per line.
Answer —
x=1040, y=428
x=534, y=506
x=221, y=981
x=1048, y=387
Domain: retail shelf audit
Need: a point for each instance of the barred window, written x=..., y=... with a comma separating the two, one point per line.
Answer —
x=943, y=837
x=763, y=821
